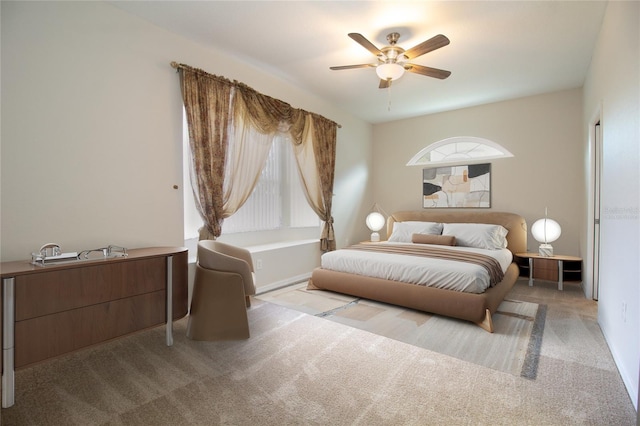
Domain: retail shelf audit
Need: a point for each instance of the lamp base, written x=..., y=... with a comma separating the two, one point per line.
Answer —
x=545, y=250
x=375, y=237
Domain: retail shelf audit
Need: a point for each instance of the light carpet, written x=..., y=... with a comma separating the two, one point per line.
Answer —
x=514, y=346
x=298, y=369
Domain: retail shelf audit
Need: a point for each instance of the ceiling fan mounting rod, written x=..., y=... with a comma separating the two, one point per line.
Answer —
x=393, y=38
x=392, y=54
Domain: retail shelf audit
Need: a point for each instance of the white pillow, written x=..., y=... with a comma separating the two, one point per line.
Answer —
x=403, y=231
x=478, y=235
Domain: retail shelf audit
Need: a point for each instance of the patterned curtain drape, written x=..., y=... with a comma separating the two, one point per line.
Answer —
x=315, y=156
x=231, y=130
x=207, y=101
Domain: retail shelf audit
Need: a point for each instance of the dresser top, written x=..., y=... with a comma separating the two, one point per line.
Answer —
x=22, y=267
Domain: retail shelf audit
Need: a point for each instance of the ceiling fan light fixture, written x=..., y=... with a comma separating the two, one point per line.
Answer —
x=390, y=71
x=392, y=59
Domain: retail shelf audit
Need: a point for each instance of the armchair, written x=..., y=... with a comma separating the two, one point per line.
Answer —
x=222, y=288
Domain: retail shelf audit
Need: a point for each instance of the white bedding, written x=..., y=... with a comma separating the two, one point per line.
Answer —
x=439, y=273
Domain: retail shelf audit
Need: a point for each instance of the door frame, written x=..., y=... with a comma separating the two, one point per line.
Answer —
x=595, y=150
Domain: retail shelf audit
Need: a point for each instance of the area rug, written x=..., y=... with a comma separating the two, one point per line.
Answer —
x=514, y=346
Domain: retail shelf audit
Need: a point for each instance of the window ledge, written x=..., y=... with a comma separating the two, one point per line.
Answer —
x=279, y=245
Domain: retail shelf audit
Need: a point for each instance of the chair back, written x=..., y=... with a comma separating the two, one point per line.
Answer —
x=223, y=257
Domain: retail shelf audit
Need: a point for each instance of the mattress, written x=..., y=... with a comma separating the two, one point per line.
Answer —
x=432, y=272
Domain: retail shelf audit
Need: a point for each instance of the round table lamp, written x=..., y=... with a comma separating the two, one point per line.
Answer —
x=375, y=221
x=546, y=231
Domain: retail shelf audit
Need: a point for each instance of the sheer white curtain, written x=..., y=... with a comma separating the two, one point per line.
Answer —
x=246, y=158
x=307, y=170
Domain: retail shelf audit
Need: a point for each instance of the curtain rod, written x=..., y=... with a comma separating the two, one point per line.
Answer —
x=178, y=66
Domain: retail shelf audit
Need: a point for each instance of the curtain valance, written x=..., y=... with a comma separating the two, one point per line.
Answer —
x=261, y=107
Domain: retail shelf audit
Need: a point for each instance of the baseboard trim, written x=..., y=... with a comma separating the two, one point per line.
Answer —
x=283, y=283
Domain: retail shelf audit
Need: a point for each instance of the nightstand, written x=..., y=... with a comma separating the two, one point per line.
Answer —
x=550, y=268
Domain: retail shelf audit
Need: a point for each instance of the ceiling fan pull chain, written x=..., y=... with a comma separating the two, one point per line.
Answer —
x=389, y=98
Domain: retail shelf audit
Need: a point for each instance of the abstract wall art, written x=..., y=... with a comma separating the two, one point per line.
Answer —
x=465, y=186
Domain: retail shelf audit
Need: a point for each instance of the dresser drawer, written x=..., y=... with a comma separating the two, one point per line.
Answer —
x=49, y=336
x=545, y=269
x=57, y=291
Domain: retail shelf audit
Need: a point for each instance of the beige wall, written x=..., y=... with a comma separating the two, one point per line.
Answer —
x=612, y=93
x=544, y=133
x=92, y=129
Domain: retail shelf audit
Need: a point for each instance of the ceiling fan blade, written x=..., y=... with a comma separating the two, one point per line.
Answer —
x=349, y=67
x=384, y=84
x=359, y=38
x=433, y=43
x=429, y=72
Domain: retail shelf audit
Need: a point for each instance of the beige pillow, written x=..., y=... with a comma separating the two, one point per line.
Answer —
x=442, y=240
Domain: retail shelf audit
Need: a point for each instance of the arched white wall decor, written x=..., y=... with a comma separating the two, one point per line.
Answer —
x=459, y=148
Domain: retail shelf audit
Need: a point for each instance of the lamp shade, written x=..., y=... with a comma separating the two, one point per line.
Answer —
x=546, y=230
x=375, y=221
x=391, y=71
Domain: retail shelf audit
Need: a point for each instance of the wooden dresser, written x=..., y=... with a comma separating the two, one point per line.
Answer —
x=51, y=310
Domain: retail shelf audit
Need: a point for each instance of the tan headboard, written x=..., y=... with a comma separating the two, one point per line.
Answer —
x=515, y=224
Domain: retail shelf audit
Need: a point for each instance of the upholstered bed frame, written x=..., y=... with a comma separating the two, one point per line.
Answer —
x=477, y=308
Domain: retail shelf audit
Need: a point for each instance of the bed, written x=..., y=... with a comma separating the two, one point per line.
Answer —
x=477, y=299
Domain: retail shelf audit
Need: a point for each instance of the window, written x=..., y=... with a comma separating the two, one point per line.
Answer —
x=277, y=202
x=453, y=150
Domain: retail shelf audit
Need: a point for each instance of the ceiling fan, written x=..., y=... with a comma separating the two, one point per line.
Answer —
x=392, y=59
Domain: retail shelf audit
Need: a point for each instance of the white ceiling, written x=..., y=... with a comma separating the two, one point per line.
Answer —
x=499, y=49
